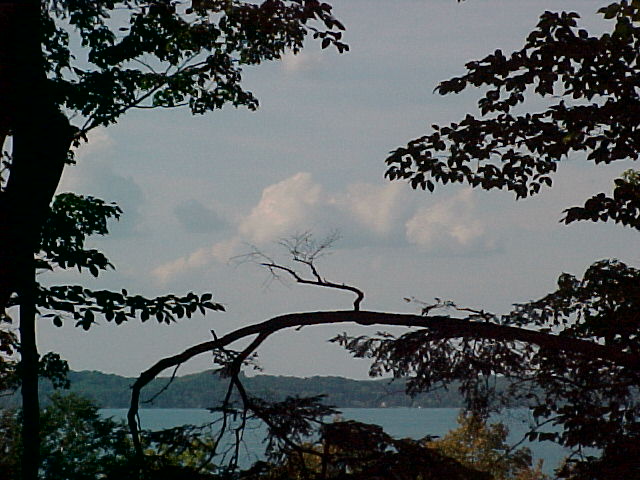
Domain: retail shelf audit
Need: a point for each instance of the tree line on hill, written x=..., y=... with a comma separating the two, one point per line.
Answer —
x=206, y=389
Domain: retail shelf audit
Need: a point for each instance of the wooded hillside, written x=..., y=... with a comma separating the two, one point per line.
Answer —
x=206, y=389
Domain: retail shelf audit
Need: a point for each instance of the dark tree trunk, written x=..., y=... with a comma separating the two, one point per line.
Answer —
x=29, y=376
x=41, y=137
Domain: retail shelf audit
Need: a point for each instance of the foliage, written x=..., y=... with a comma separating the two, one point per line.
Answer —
x=71, y=220
x=76, y=441
x=353, y=450
x=482, y=446
x=80, y=444
x=589, y=84
x=590, y=81
x=137, y=54
x=133, y=54
x=349, y=449
x=204, y=389
x=171, y=55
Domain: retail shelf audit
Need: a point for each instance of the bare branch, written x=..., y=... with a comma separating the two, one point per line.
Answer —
x=303, y=249
x=449, y=304
x=234, y=370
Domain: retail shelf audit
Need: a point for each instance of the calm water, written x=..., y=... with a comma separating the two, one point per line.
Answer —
x=398, y=422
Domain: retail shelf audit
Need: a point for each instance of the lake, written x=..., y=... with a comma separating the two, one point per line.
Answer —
x=398, y=422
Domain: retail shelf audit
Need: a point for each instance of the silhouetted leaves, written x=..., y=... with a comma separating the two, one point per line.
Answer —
x=82, y=305
x=167, y=54
x=598, y=111
x=623, y=207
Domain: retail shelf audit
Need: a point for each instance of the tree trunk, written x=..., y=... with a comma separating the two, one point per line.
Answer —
x=41, y=137
x=29, y=376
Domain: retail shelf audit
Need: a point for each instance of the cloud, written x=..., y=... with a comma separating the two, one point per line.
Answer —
x=283, y=208
x=450, y=226
x=376, y=207
x=301, y=62
x=220, y=252
x=195, y=217
x=364, y=214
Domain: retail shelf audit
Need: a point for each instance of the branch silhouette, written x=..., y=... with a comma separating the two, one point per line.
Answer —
x=439, y=327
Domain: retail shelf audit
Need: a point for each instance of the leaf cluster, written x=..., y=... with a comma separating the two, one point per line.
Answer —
x=623, y=207
x=590, y=82
x=165, y=53
x=84, y=305
x=72, y=218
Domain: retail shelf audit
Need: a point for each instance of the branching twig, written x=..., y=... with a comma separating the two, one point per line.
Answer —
x=305, y=250
x=448, y=304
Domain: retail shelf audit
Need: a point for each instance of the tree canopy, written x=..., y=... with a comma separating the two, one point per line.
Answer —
x=67, y=67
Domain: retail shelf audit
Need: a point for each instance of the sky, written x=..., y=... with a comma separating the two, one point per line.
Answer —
x=199, y=191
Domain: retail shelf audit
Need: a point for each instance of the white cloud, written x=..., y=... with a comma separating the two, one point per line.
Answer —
x=374, y=206
x=220, y=252
x=364, y=214
x=449, y=226
x=300, y=62
x=284, y=207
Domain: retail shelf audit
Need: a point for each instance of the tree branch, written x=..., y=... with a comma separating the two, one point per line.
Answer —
x=304, y=249
x=443, y=326
x=320, y=282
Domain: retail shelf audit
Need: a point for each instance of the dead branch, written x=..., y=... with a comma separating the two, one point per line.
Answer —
x=305, y=250
x=441, y=327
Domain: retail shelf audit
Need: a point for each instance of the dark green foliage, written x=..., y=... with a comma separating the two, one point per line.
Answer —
x=127, y=54
x=593, y=110
x=166, y=54
x=595, y=403
x=359, y=451
x=591, y=82
x=77, y=443
x=72, y=218
x=84, y=305
x=623, y=207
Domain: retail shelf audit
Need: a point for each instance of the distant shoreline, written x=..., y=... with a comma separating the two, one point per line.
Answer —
x=206, y=389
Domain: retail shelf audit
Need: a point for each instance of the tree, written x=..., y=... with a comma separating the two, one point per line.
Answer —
x=590, y=82
x=164, y=55
x=76, y=441
x=573, y=353
x=79, y=443
x=70, y=221
x=477, y=444
x=439, y=349
x=473, y=450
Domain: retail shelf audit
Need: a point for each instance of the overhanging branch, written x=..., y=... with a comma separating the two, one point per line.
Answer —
x=441, y=326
